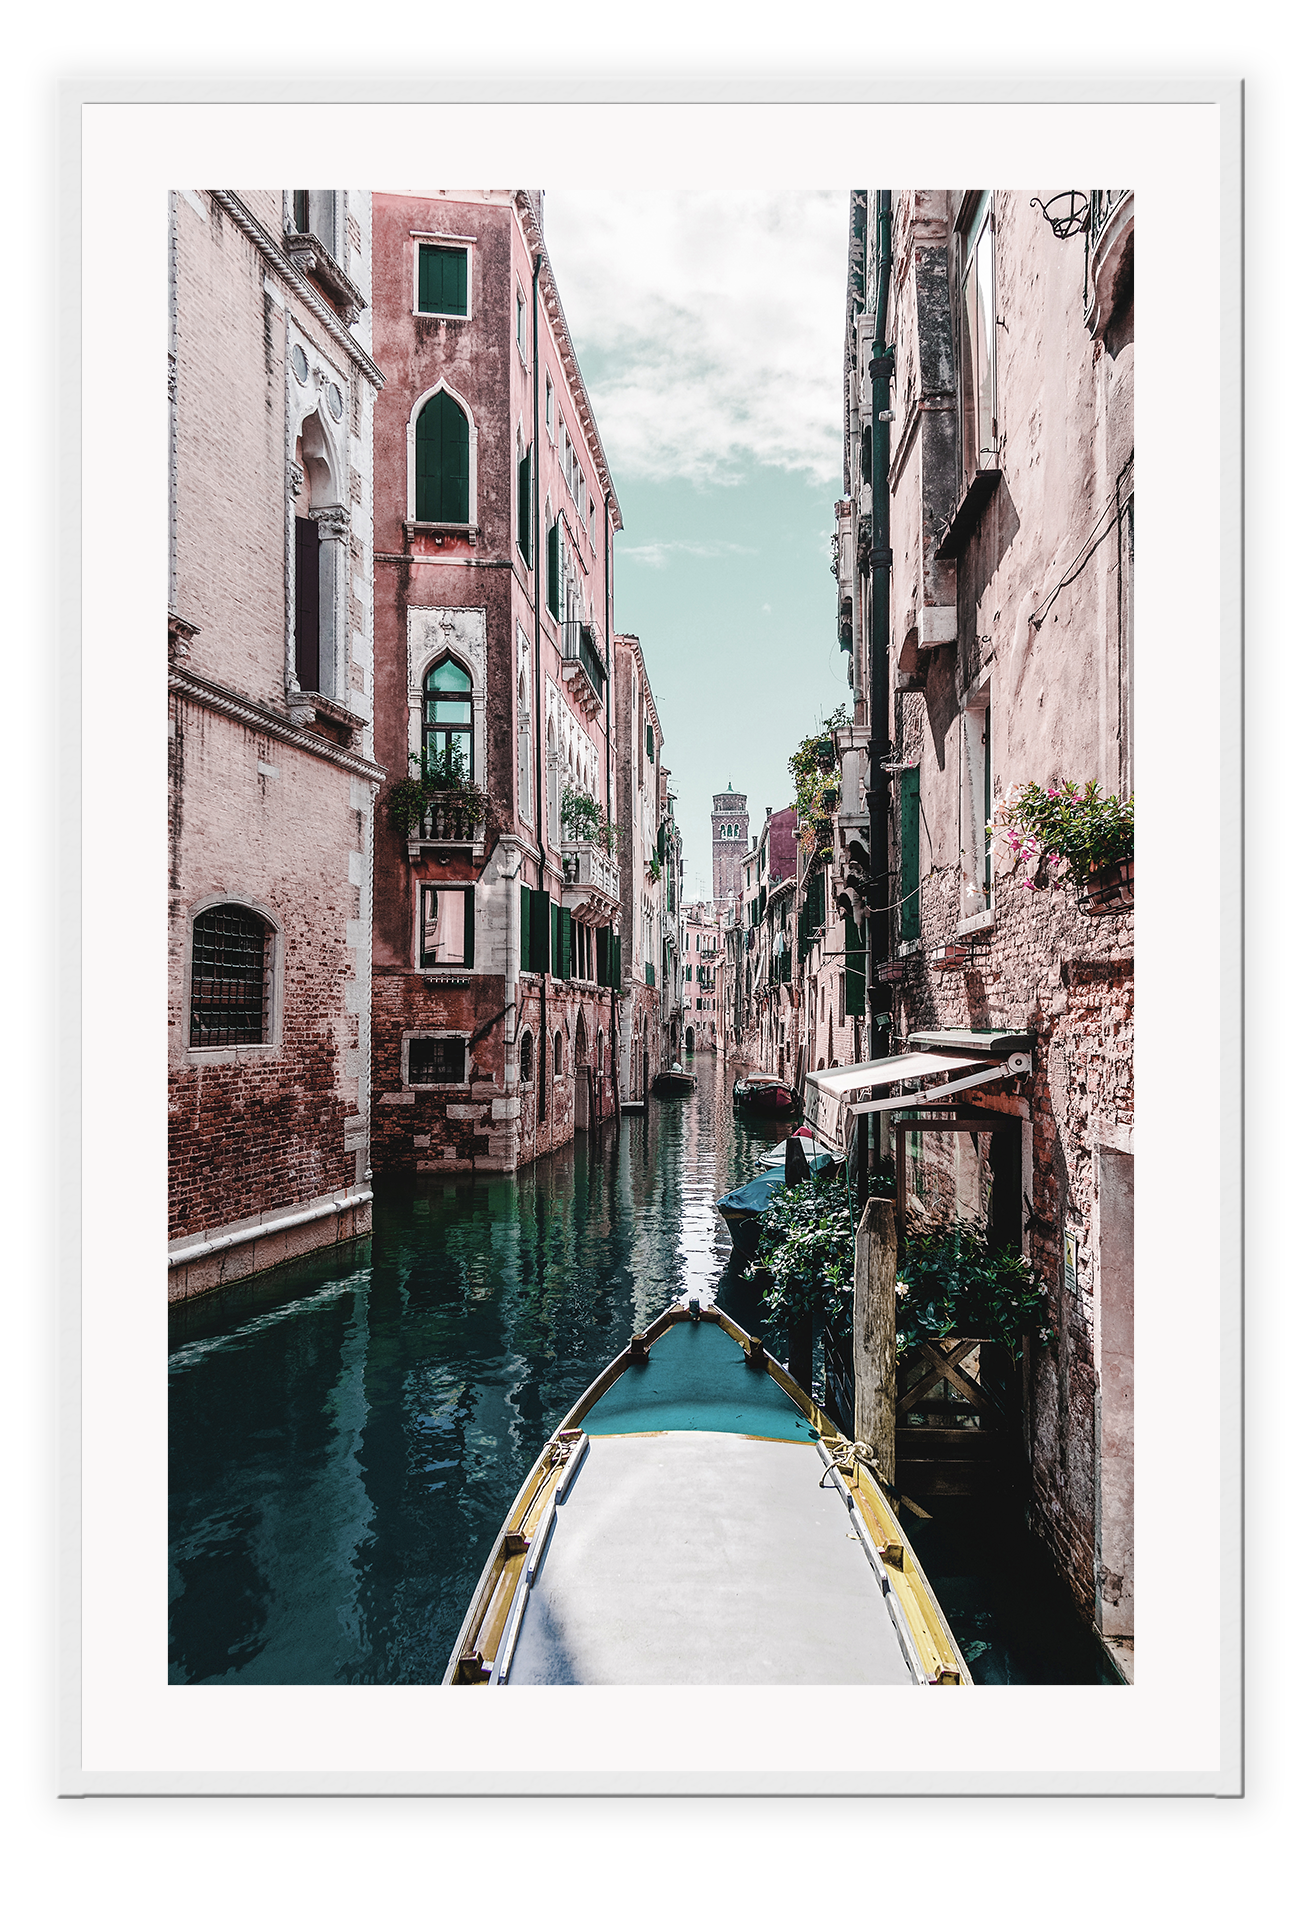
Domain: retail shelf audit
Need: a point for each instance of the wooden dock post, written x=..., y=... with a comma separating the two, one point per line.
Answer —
x=875, y=1345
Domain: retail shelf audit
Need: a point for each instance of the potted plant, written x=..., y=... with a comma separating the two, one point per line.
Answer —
x=461, y=805
x=582, y=818
x=1063, y=831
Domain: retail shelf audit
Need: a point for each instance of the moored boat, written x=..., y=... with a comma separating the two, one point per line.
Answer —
x=687, y=1523
x=764, y=1093
x=743, y=1208
x=676, y=1083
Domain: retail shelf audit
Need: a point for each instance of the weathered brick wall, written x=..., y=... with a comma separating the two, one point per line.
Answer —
x=264, y=822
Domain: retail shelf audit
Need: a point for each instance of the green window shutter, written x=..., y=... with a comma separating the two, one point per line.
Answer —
x=525, y=531
x=616, y=950
x=539, y=932
x=555, y=941
x=442, y=462
x=565, y=968
x=525, y=921
x=855, y=969
x=602, y=956
x=909, y=875
x=444, y=281
x=470, y=893
x=650, y=741
x=553, y=570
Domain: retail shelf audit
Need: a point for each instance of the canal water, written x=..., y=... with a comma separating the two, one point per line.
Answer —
x=347, y=1438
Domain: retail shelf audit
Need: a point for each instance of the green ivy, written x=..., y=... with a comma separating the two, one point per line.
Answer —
x=805, y=1253
x=951, y=1282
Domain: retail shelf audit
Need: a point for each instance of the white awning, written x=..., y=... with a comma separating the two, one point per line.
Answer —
x=831, y=1098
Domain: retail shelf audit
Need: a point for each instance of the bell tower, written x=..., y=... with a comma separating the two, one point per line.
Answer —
x=730, y=839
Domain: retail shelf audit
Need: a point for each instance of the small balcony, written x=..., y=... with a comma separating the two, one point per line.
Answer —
x=584, y=665
x=448, y=822
x=589, y=877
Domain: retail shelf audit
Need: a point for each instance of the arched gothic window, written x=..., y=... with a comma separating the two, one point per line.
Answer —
x=559, y=1053
x=448, y=724
x=442, y=462
x=526, y=1056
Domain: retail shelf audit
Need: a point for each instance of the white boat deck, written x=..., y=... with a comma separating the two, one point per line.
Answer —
x=698, y=1556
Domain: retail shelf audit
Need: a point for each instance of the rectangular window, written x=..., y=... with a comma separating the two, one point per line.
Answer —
x=909, y=857
x=978, y=343
x=855, y=969
x=539, y=932
x=524, y=533
x=444, y=281
x=521, y=325
x=446, y=926
x=306, y=603
x=976, y=805
x=553, y=570
x=436, y=1062
x=550, y=411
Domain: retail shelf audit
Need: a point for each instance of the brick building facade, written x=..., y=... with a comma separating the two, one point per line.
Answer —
x=272, y=778
x=986, y=603
x=650, y=869
x=730, y=839
x=497, y=899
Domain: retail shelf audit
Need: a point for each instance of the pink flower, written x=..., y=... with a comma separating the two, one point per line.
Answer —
x=1028, y=885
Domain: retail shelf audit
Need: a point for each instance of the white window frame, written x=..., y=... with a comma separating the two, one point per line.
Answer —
x=550, y=408
x=973, y=814
x=274, y=957
x=521, y=324
x=449, y=241
x=433, y=1032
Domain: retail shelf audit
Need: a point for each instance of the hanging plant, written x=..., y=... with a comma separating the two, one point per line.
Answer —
x=816, y=777
x=1062, y=831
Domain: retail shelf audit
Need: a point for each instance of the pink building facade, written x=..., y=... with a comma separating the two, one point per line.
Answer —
x=986, y=590
x=272, y=773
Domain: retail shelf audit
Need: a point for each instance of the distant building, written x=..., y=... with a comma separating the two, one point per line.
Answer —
x=730, y=838
x=763, y=999
x=702, y=955
x=649, y=851
x=272, y=769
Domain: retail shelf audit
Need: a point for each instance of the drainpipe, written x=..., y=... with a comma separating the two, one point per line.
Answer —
x=539, y=712
x=881, y=370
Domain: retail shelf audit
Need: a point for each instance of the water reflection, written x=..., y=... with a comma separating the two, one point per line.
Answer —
x=346, y=1444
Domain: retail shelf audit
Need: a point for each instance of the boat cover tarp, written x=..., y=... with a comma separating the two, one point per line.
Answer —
x=751, y=1200
x=697, y=1379
x=699, y=1559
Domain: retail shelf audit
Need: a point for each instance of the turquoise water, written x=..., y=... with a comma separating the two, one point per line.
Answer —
x=346, y=1440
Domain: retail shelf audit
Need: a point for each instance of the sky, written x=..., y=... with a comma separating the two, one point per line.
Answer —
x=710, y=330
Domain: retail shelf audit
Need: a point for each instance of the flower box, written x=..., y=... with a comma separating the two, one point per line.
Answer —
x=1109, y=889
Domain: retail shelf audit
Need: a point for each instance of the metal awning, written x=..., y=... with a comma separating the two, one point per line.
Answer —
x=833, y=1097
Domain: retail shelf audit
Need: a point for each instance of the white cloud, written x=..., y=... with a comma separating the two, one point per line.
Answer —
x=657, y=555
x=710, y=326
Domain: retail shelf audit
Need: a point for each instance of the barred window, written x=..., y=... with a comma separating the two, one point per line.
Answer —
x=526, y=1056
x=230, y=979
x=436, y=1062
